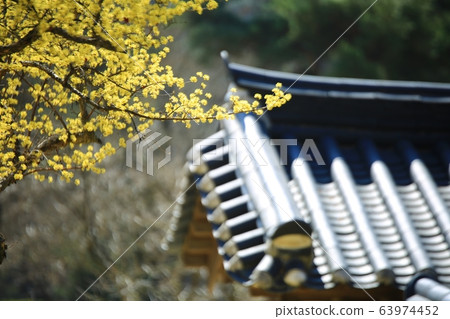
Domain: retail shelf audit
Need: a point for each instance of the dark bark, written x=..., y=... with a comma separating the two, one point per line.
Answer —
x=33, y=35
x=28, y=39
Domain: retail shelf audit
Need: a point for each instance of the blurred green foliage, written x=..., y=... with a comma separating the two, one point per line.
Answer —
x=402, y=40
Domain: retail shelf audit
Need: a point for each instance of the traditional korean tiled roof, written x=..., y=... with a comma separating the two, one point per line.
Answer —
x=347, y=185
x=426, y=288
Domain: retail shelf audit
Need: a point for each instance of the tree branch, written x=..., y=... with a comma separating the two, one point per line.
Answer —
x=28, y=39
x=95, y=41
x=61, y=81
x=53, y=142
x=33, y=35
x=57, y=78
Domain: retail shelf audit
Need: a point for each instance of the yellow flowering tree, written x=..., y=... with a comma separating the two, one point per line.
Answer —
x=75, y=71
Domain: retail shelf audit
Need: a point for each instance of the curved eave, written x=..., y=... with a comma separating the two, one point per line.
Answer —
x=322, y=86
x=345, y=103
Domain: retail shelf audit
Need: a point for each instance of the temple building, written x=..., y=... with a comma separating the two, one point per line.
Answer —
x=341, y=194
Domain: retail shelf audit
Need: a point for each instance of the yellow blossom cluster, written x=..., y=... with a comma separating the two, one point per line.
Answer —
x=276, y=99
x=73, y=72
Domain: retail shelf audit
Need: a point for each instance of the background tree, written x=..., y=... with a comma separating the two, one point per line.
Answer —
x=403, y=40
